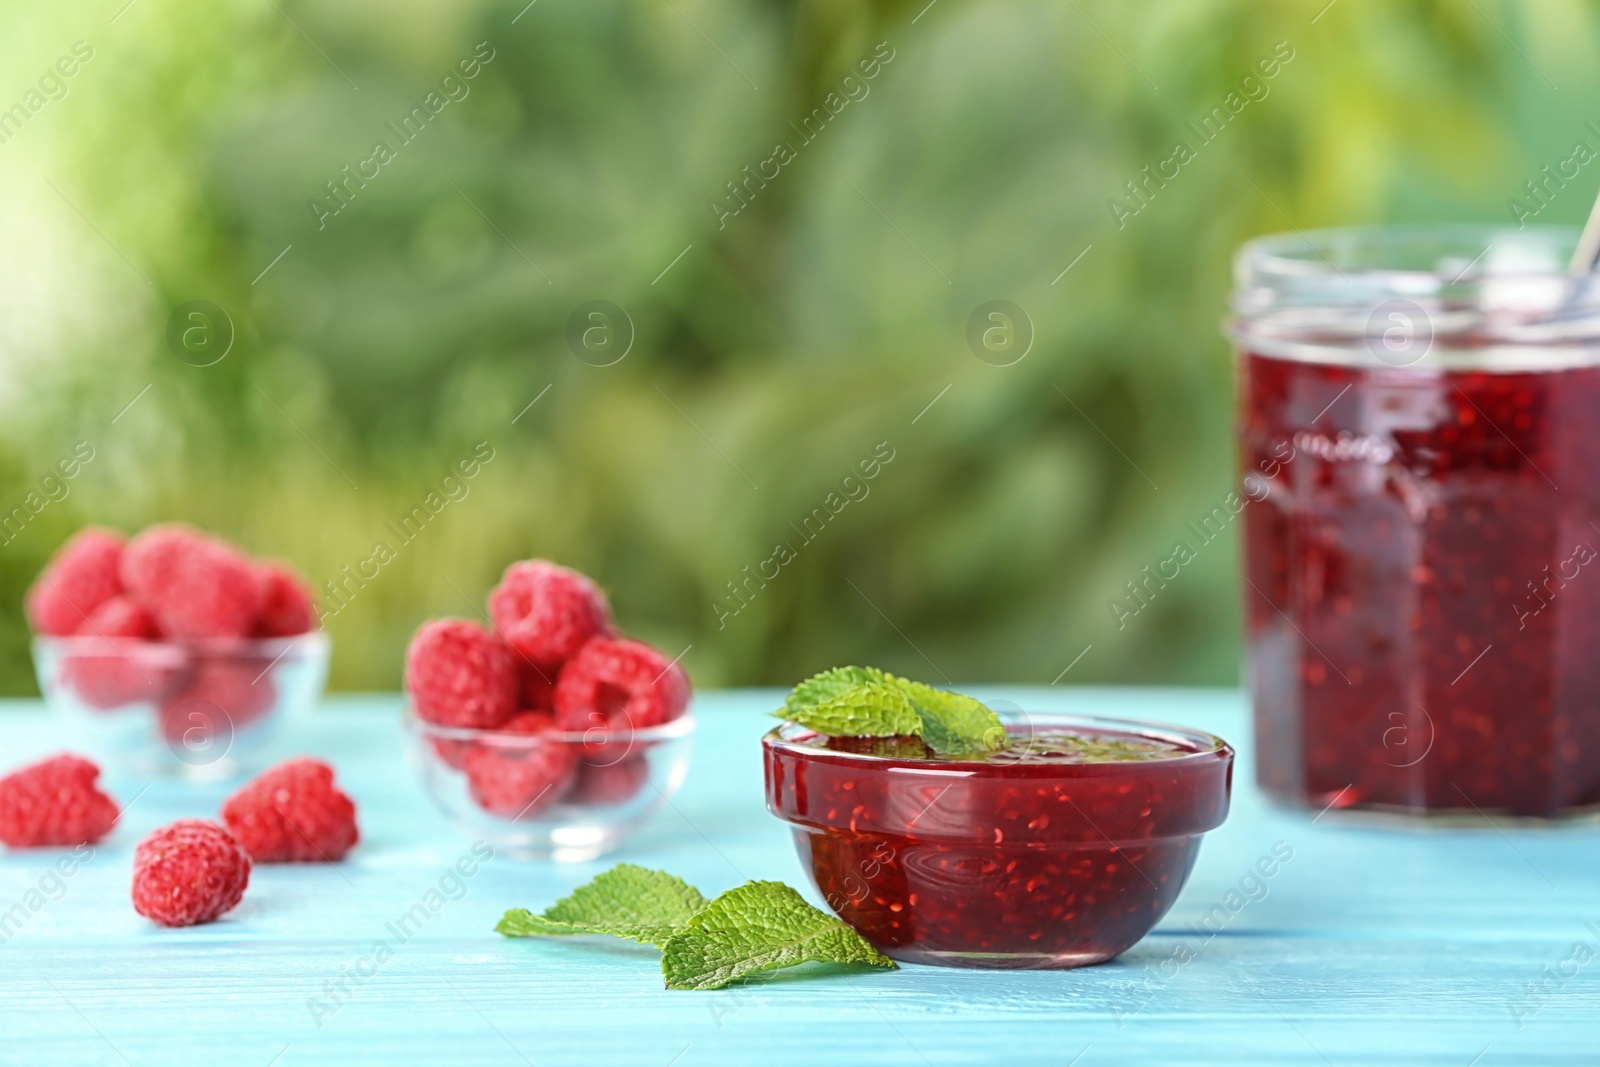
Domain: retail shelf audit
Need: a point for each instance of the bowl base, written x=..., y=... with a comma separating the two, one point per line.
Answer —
x=563, y=843
x=999, y=961
x=222, y=770
x=544, y=850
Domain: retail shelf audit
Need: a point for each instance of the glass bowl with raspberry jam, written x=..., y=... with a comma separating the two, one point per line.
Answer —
x=1061, y=850
x=1419, y=435
x=549, y=794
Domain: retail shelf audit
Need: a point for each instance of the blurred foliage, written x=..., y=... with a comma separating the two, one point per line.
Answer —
x=773, y=355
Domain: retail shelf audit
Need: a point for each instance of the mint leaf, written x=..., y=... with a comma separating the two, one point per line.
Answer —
x=821, y=688
x=520, y=922
x=760, y=926
x=873, y=709
x=626, y=901
x=867, y=702
x=954, y=724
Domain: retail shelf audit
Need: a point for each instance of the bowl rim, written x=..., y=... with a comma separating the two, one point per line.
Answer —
x=312, y=641
x=1212, y=749
x=683, y=726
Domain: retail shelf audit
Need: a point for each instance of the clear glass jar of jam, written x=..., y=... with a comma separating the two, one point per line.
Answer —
x=1419, y=433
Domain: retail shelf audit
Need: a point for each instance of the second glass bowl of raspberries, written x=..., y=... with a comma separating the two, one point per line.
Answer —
x=547, y=733
x=535, y=791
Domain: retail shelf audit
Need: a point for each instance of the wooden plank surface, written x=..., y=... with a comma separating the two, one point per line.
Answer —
x=1371, y=945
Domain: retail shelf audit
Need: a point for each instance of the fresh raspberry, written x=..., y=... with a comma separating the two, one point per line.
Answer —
x=459, y=674
x=80, y=577
x=619, y=685
x=518, y=780
x=120, y=616
x=530, y=722
x=54, y=802
x=293, y=813
x=536, y=686
x=115, y=664
x=115, y=672
x=195, y=586
x=451, y=751
x=188, y=873
x=604, y=785
x=547, y=612
x=285, y=602
x=225, y=694
x=535, y=696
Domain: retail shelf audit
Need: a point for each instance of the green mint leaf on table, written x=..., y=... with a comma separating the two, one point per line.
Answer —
x=626, y=901
x=760, y=926
x=867, y=702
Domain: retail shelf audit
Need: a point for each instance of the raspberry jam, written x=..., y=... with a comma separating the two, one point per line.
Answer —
x=1062, y=850
x=1422, y=597
x=1423, y=613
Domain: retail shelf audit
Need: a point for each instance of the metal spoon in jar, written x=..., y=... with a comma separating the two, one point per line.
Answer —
x=1586, y=257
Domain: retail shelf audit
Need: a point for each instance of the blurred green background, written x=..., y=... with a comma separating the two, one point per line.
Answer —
x=772, y=350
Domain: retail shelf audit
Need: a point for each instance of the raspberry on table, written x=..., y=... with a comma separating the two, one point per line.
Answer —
x=616, y=684
x=285, y=602
x=606, y=784
x=459, y=674
x=55, y=802
x=189, y=872
x=224, y=694
x=517, y=781
x=196, y=586
x=82, y=575
x=293, y=813
x=546, y=612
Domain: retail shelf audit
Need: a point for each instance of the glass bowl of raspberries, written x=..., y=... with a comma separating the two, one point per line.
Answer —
x=173, y=653
x=547, y=735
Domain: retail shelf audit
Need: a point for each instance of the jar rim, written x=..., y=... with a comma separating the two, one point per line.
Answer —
x=1461, y=296
x=1453, y=250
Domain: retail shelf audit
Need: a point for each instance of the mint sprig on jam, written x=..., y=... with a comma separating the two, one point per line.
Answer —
x=867, y=702
x=760, y=926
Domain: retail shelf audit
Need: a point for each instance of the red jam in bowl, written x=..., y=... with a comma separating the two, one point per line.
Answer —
x=1063, y=849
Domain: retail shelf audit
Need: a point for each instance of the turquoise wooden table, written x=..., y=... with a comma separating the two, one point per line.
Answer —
x=1369, y=945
